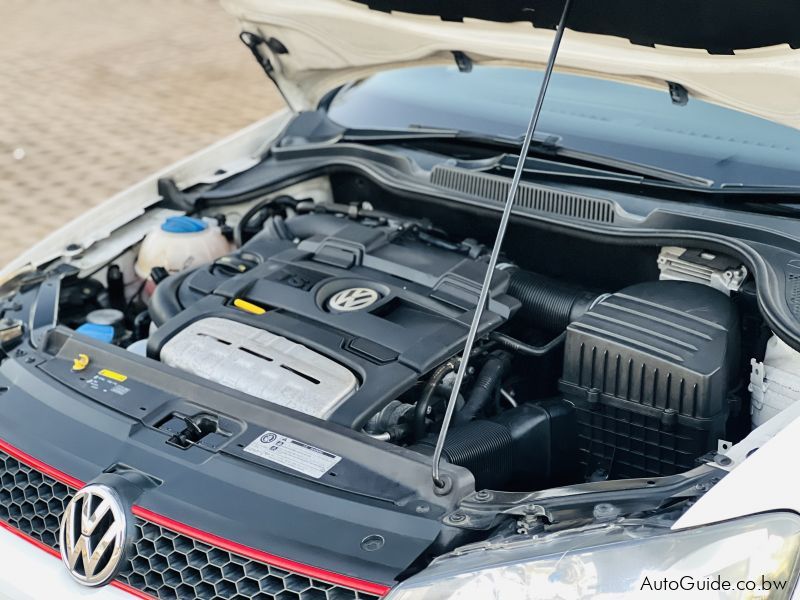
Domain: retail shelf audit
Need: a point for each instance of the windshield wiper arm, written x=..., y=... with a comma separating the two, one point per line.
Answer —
x=625, y=166
x=544, y=145
x=766, y=190
x=425, y=132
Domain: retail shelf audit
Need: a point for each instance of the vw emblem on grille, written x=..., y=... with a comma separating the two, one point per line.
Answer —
x=357, y=298
x=93, y=534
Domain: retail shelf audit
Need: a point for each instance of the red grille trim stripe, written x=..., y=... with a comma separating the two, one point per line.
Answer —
x=126, y=588
x=187, y=530
x=40, y=466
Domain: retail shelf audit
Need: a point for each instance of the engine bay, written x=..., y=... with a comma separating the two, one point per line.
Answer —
x=357, y=316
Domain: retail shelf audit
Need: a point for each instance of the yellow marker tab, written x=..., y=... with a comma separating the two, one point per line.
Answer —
x=248, y=307
x=80, y=362
x=113, y=375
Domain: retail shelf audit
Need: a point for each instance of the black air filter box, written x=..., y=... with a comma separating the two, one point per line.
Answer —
x=649, y=370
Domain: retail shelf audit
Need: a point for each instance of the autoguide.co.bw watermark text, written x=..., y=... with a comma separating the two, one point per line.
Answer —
x=711, y=584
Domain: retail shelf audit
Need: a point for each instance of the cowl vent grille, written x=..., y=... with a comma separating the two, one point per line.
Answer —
x=531, y=197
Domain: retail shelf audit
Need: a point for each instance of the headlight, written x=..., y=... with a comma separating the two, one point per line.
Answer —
x=752, y=557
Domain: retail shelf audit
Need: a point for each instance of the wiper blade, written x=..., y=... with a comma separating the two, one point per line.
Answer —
x=636, y=168
x=767, y=190
x=424, y=132
x=546, y=146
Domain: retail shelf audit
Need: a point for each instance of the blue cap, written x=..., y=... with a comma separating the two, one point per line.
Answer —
x=102, y=333
x=183, y=224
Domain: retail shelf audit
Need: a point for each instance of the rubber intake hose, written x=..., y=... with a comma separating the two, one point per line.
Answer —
x=488, y=380
x=550, y=304
x=482, y=446
x=164, y=303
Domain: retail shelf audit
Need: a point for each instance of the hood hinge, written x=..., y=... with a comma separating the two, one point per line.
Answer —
x=253, y=41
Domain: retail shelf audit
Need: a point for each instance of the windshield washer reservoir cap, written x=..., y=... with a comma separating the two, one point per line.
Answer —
x=183, y=224
x=101, y=333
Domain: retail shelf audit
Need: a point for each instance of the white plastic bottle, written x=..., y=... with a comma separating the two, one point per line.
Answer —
x=180, y=243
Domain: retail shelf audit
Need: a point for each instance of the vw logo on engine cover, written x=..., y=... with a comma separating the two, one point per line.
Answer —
x=357, y=298
x=93, y=535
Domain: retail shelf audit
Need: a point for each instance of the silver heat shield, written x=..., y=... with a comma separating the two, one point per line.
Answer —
x=261, y=364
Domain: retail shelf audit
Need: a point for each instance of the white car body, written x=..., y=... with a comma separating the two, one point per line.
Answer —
x=332, y=42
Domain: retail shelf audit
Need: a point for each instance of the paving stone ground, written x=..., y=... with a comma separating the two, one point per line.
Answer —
x=96, y=94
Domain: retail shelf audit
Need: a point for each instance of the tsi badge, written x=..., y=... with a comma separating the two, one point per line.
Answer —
x=357, y=298
x=93, y=535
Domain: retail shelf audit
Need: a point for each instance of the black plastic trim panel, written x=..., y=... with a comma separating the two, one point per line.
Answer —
x=253, y=503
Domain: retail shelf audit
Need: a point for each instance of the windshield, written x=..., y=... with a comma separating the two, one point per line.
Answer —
x=617, y=120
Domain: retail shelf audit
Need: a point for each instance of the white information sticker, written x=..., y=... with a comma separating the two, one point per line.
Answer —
x=291, y=453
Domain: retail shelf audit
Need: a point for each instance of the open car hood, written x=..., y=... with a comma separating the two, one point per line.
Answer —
x=736, y=53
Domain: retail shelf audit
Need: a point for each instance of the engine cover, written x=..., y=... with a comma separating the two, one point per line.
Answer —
x=261, y=364
x=380, y=303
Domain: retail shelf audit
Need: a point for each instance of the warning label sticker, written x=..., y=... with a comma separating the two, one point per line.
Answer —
x=291, y=453
x=103, y=382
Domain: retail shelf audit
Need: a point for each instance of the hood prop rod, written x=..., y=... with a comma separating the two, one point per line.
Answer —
x=442, y=483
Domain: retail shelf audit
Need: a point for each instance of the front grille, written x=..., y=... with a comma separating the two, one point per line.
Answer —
x=165, y=564
x=31, y=501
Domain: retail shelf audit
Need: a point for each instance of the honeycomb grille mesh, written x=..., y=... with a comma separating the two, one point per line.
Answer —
x=165, y=564
x=31, y=501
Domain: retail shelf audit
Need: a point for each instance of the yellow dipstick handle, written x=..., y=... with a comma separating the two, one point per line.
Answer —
x=80, y=362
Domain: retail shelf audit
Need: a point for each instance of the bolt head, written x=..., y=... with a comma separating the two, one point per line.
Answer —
x=373, y=542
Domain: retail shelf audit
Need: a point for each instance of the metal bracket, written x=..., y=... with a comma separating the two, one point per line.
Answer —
x=253, y=41
x=481, y=510
x=721, y=272
x=528, y=516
